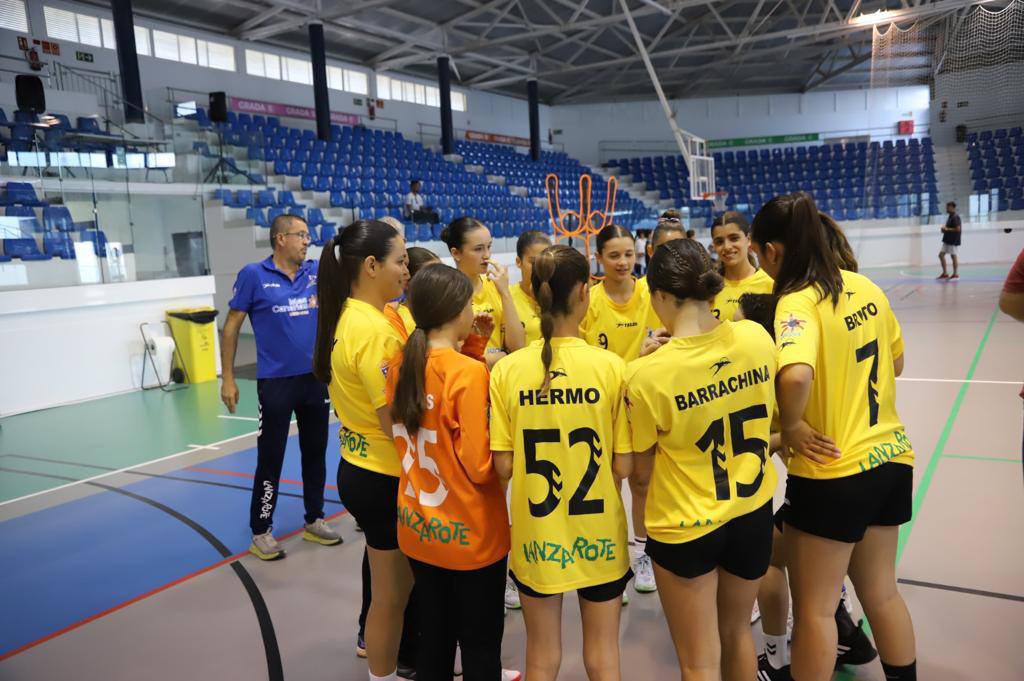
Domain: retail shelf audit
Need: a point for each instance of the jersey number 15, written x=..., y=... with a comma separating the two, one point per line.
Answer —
x=714, y=439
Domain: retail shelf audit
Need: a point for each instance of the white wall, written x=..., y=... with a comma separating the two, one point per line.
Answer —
x=846, y=113
x=982, y=99
x=76, y=343
x=486, y=112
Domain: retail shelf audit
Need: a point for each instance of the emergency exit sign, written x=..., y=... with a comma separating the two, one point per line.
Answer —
x=84, y=56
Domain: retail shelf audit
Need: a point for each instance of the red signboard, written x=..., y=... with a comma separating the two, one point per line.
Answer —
x=905, y=127
x=472, y=135
x=253, y=106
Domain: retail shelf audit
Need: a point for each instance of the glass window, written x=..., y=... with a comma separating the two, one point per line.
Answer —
x=254, y=63
x=142, y=41
x=187, y=50
x=383, y=87
x=221, y=56
x=335, y=78
x=458, y=101
x=357, y=82
x=107, y=27
x=272, y=66
x=433, y=97
x=60, y=24
x=14, y=17
x=165, y=45
x=89, y=30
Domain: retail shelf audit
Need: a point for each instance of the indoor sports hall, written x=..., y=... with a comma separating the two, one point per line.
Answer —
x=154, y=154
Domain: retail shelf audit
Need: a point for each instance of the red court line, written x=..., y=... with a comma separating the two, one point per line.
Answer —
x=250, y=476
x=142, y=597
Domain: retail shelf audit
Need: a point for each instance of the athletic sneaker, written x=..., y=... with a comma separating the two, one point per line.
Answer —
x=943, y=276
x=643, y=581
x=510, y=675
x=854, y=646
x=955, y=276
x=406, y=672
x=625, y=598
x=320, y=532
x=766, y=672
x=511, y=595
x=755, y=614
x=360, y=646
x=265, y=547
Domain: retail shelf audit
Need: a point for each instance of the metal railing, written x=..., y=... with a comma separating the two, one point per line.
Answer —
x=104, y=85
x=430, y=134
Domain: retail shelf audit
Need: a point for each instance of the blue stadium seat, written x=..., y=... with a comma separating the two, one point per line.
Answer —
x=98, y=240
x=265, y=198
x=57, y=218
x=59, y=244
x=21, y=193
x=327, y=232
x=28, y=223
x=257, y=216
x=25, y=249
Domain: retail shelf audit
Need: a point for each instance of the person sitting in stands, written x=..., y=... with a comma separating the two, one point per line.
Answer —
x=415, y=209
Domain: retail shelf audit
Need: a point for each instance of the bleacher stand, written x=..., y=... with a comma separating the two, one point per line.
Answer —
x=997, y=166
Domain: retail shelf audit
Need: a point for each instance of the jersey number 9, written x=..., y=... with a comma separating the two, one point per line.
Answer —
x=578, y=504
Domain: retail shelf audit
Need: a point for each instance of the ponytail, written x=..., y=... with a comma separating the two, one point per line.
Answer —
x=556, y=273
x=437, y=295
x=815, y=248
x=543, y=270
x=340, y=264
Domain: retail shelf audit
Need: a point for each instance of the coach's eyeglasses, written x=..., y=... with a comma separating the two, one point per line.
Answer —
x=305, y=236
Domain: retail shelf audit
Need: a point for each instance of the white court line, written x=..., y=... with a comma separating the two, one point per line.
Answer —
x=956, y=380
x=203, y=447
x=237, y=418
x=124, y=470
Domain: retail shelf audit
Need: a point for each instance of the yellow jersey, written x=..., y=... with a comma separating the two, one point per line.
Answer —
x=706, y=402
x=619, y=328
x=728, y=299
x=488, y=301
x=406, y=315
x=529, y=313
x=364, y=343
x=568, y=522
x=851, y=348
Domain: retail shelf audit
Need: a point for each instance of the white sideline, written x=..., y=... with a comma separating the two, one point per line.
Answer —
x=956, y=380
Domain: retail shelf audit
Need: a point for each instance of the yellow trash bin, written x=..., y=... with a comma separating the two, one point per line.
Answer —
x=195, y=334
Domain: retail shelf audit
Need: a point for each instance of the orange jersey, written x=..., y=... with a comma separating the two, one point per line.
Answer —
x=396, y=320
x=451, y=508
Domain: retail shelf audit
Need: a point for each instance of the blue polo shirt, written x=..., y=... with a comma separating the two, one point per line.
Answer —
x=283, y=315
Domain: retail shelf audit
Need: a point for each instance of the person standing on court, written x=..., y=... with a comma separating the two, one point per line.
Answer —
x=279, y=296
x=951, y=232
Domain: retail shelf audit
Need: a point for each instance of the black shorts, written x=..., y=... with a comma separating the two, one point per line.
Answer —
x=842, y=509
x=741, y=547
x=372, y=499
x=779, y=519
x=595, y=594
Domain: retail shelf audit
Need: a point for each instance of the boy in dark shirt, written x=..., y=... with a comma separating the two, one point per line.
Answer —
x=950, y=241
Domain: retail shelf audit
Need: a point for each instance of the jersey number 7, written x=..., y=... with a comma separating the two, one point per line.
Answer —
x=578, y=504
x=714, y=439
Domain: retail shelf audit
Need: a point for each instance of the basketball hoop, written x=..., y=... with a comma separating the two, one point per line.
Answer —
x=717, y=200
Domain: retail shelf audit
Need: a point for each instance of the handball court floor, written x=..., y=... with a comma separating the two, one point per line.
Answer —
x=123, y=527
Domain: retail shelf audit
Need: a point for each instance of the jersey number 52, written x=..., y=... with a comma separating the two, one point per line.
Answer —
x=578, y=504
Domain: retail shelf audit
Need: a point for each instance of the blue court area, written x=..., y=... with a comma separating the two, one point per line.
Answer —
x=74, y=561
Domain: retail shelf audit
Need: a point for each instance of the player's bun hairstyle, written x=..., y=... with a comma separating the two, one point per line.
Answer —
x=530, y=238
x=437, y=295
x=454, y=235
x=672, y=214
x=815, y=247
x=340, y=266
x=611, y=232
x=760, y=308
x=556, y=273
x=665, y=226
x=683, y=269
x=419, y=257
x=733, y=217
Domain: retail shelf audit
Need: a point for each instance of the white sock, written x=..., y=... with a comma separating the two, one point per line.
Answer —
x=393, y=676
x=776, y=649
x=637, y=547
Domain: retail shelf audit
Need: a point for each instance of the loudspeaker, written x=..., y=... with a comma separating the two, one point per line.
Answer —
x=961, y=134
x=218, y=107
x=29, y=93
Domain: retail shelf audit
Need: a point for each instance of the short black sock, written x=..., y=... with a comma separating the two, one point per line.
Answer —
x=906, y=673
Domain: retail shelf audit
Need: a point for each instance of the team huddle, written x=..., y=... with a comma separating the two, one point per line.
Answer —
x=487, y=429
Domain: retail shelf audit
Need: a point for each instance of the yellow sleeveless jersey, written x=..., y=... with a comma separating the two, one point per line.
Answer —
x=529, y=313
x=488, y=301
x=618, y=328
x=706, y=402
x=728, y=299
x=568, y=522
x=364, y=343
x=851, y=348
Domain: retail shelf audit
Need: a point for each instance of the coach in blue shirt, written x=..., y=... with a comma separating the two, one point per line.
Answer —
x=279, y=295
